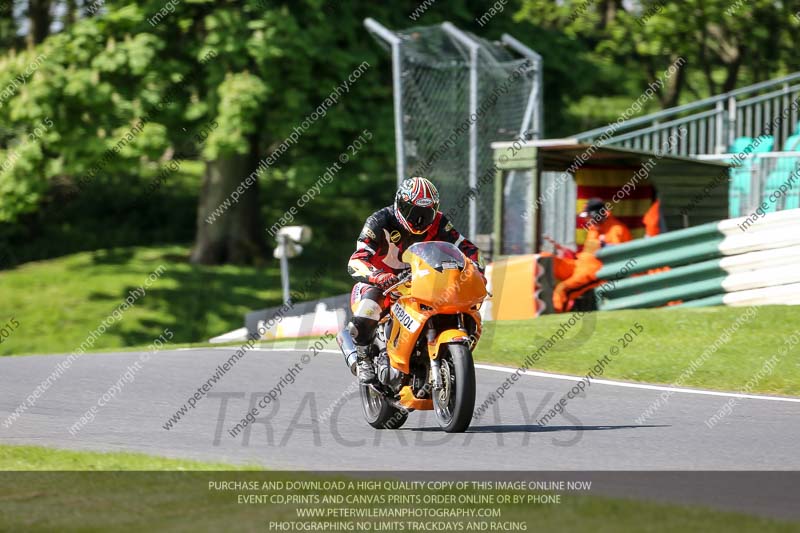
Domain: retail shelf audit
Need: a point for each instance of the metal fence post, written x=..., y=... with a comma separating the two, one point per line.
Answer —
x=534, y=111
x=397, y=83
x=538, y=123
x=731, y=120
x=284, y=245
x=786, y=125
x=474, y=48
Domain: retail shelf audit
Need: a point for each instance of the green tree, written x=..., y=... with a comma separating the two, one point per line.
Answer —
x=39, y=19
x=8, y=26
x=226, y=82
x=725, y=44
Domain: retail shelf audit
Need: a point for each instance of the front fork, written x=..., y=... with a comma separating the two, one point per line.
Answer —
x=436, y=367
x=435, y=342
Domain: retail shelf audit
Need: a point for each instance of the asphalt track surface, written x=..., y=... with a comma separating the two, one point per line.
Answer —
x=317, y=423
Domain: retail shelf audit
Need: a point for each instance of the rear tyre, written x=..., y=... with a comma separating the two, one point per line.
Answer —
x=455, y=403
x=378, y=412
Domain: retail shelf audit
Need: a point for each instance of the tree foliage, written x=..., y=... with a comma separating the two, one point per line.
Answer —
x=106, y=92
x=725, y=43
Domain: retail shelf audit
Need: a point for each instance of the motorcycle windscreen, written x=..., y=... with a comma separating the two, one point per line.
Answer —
x=443, y=277
x=438, y=255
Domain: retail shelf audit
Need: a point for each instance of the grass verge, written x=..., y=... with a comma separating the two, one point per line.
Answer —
x=687, y=346
x=184, y=501
x=39, y=458
x=58, y=303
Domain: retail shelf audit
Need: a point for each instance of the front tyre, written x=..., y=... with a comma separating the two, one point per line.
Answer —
x=455, y=403
x=378, y=412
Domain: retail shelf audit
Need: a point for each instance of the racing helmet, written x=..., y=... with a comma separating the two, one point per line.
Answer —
x=416, y=204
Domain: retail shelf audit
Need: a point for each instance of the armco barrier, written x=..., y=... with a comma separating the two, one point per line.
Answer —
x=732, y=262
x=302, y=320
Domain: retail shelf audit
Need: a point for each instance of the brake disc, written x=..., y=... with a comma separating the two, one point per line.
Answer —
x=447, y=382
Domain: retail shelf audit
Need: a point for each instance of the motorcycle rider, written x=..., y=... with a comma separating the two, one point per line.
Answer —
x=387, y=233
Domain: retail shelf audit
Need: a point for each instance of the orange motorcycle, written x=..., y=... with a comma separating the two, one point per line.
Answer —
x=422, y=350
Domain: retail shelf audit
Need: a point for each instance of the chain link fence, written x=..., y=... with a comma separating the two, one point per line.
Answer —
x=455, y=94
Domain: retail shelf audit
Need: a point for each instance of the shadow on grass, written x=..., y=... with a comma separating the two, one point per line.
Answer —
x=197, y=303
x=113, y=256
x=194, y=302
x=195, y=298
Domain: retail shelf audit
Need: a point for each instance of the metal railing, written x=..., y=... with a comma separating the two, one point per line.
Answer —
x=770, y=180
x=766, y=108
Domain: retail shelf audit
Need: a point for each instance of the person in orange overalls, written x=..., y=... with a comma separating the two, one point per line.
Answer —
x=602, y=225
x=652, y=220
x=603, y=229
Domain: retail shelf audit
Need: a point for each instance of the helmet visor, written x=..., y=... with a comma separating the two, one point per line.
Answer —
x=418, y=217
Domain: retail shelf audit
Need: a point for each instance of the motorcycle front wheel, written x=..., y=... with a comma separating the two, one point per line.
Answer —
x=378, y=412
x=455, y=403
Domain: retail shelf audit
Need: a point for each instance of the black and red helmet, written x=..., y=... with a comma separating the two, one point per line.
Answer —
x=416, y=204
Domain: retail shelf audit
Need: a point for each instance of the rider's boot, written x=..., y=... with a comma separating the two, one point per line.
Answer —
x=386, y=373
x=366, y=370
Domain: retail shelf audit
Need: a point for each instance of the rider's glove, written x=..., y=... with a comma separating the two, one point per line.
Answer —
x=481, y=270
x=383, y=280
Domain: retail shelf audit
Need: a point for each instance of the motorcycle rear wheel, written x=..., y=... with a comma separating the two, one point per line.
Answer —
x=378, y=412
x=455, y=403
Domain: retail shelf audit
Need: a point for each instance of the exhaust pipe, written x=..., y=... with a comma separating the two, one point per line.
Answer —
x=348, y=347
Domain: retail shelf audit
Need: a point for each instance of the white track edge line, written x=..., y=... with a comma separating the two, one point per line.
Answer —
x=639, y=385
